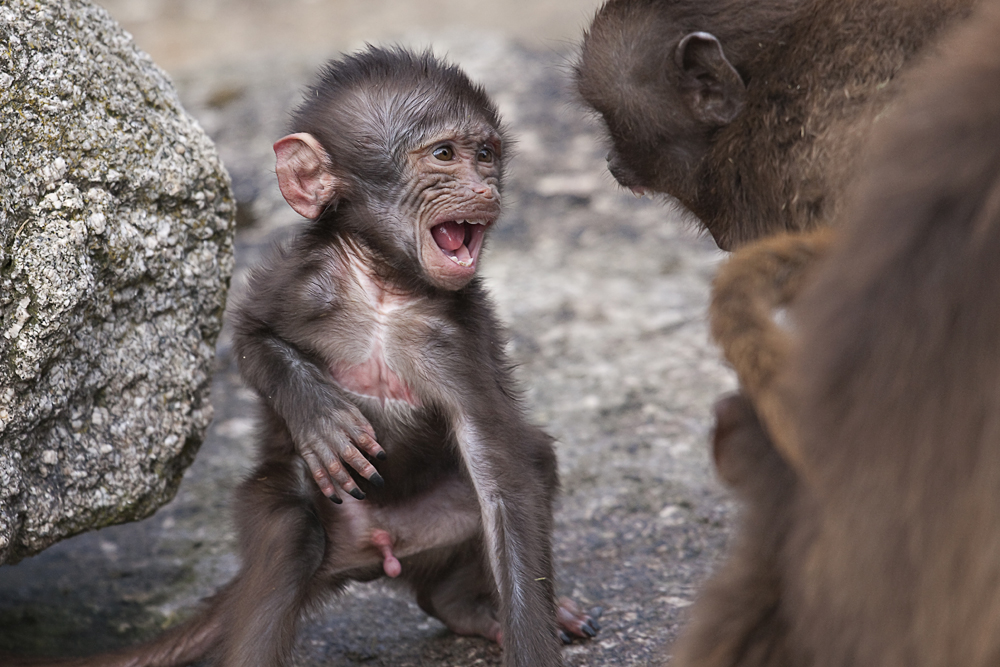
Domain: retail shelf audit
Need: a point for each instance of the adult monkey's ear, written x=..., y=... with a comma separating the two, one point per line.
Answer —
x=711, y=86
x=305, y=175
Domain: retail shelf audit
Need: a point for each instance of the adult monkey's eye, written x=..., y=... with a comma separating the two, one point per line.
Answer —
x=444, y=153
x=485, y=155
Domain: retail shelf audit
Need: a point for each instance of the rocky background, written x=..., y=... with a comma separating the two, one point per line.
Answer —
x=116, y=247
x=605, y=296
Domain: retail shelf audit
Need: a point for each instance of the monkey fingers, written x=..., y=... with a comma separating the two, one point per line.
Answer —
x=335, y=442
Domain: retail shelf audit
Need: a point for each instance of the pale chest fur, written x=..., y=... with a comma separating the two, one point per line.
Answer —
x=387, y=332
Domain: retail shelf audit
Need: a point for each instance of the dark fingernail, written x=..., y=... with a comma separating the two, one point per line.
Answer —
x=592, y=622
x=376, y=480
x=566, y=639
x=357, y=493
x=587, y=630
x=336, y=500
x=595, y=612
x=381, y=456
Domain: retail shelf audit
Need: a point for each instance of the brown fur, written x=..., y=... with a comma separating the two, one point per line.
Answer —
x=889, y=553
x=382, y=374
x=815, y=75
x=748, y=292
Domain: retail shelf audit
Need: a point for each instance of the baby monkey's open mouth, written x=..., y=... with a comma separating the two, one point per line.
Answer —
x=460, y=240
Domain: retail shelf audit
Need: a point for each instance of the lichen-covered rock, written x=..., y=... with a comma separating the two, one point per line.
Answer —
x=116, y=224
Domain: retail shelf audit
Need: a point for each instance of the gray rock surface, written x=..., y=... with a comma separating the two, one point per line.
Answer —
x=606, y=298
x=115, y=253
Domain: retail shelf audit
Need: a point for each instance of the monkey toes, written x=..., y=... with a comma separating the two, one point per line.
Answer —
x=570, y=619
x=573, y=622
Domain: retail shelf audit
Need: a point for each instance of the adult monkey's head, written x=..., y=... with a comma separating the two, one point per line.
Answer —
x=663, y=85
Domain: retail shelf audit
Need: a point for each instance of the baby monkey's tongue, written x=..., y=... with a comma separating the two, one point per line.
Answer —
x=449, y=235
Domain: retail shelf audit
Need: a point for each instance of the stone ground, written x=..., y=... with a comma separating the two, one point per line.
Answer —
x=605, y=296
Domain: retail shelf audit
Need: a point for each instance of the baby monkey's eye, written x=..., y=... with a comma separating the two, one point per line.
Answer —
x=485, y=155
x=444, y=153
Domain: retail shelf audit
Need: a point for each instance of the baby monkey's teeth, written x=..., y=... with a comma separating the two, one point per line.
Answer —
x=461, y=262
x=462, y=257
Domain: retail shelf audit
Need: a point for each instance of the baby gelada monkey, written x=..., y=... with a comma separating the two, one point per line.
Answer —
x=391, y=439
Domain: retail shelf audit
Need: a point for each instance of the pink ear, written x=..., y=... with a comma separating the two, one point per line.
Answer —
x=304, y=176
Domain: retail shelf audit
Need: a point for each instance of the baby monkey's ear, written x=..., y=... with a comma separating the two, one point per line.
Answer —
x=305, y=175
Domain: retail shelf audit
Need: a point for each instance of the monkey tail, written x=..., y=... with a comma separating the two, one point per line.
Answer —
x=181, y=645
x=748, y=293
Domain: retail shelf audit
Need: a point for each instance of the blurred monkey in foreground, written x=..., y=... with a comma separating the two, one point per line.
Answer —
x=872, y=527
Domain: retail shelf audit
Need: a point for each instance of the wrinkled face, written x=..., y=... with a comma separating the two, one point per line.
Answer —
x=454, y=189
